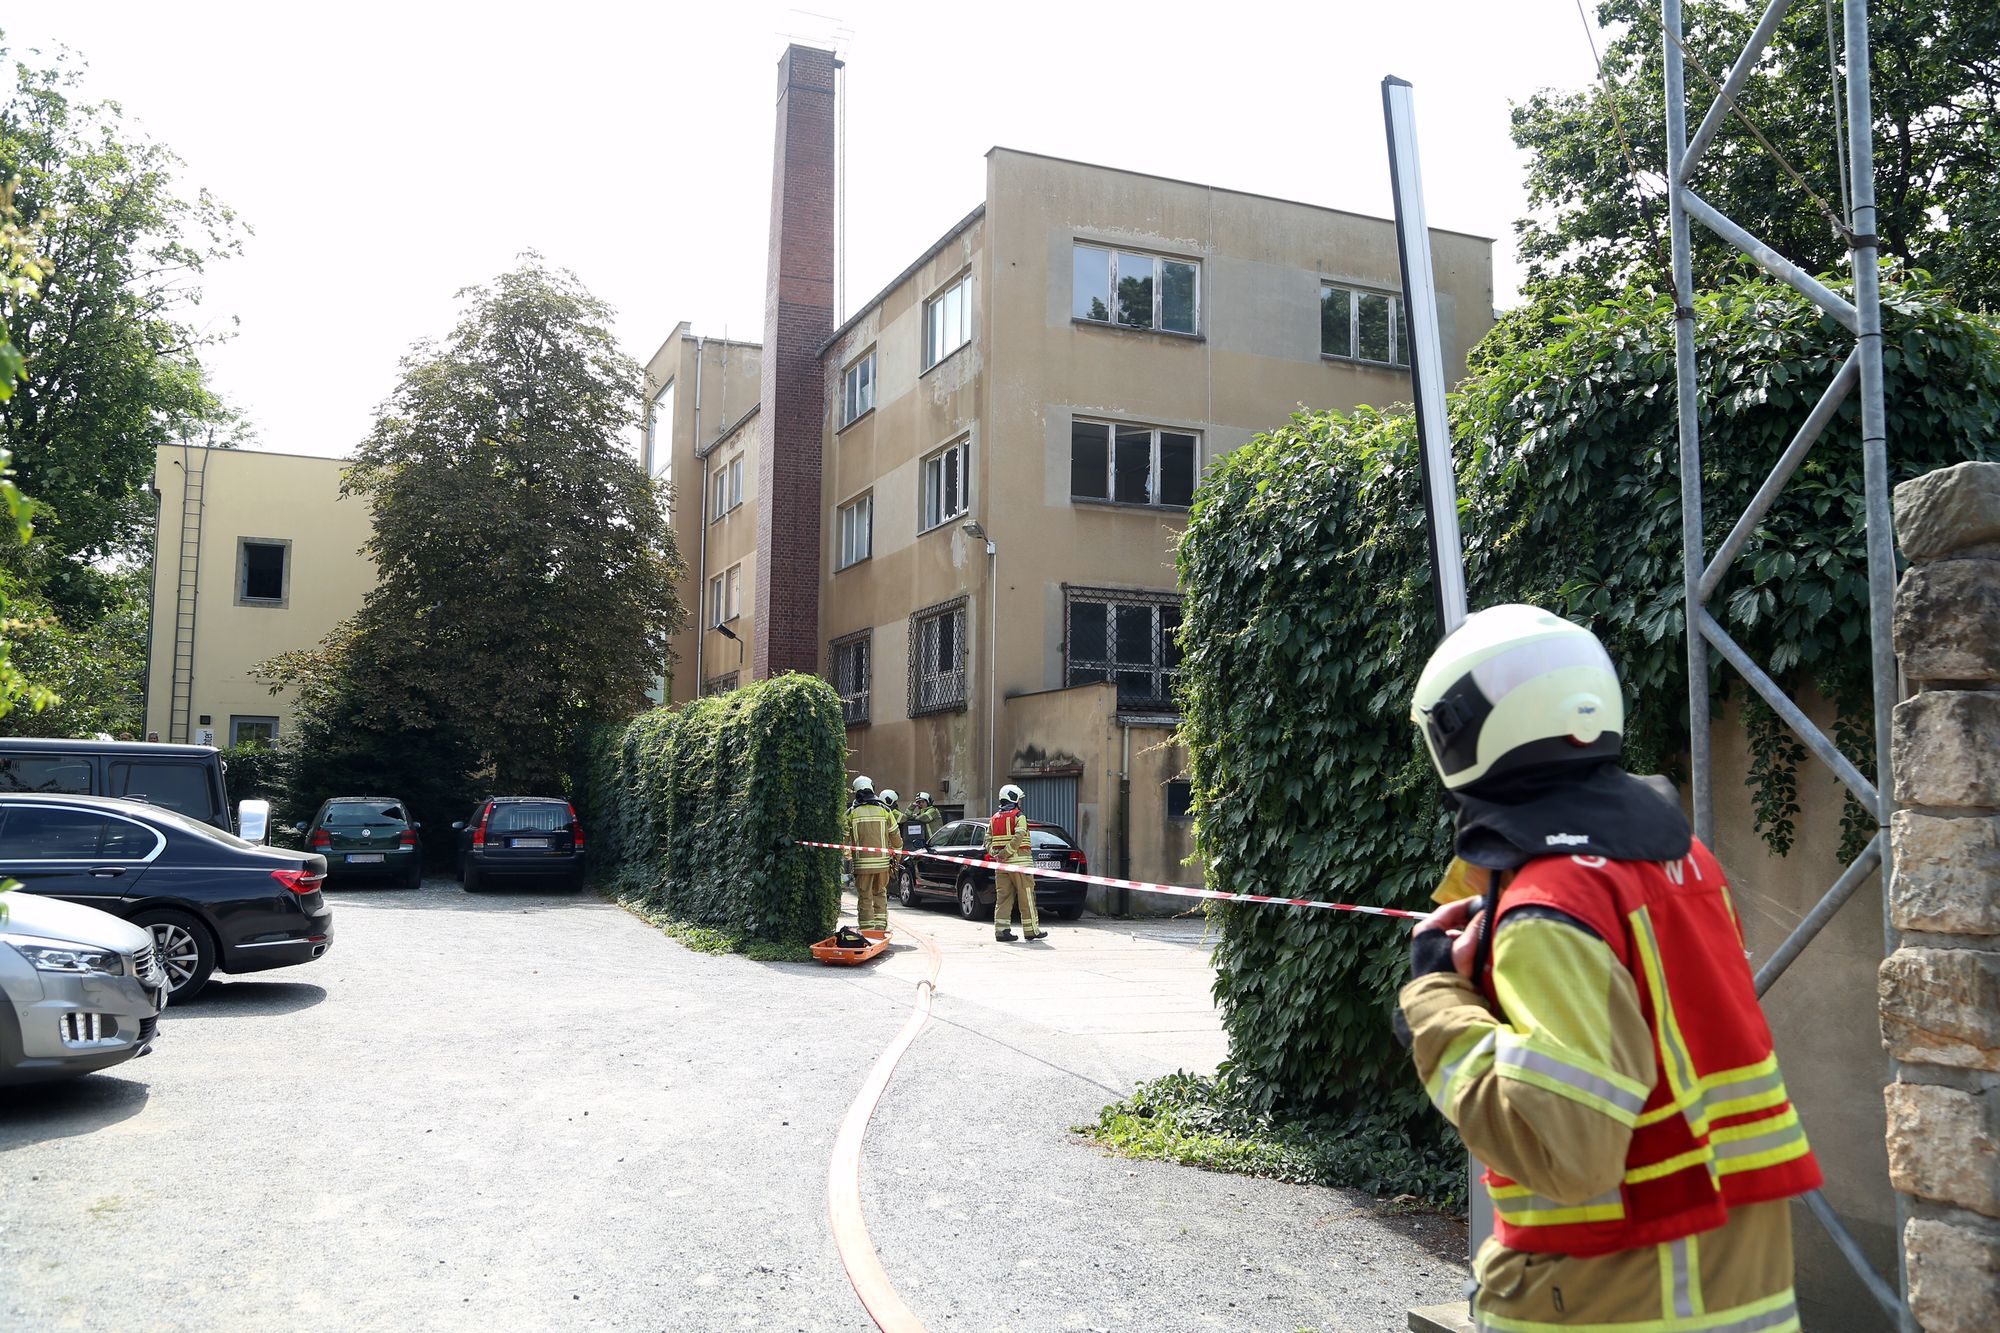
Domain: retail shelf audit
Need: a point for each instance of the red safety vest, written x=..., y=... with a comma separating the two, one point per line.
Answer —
x=1718, y=1130
x=1008, y=834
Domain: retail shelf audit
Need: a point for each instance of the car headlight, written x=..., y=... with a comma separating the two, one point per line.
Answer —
x=60, y=956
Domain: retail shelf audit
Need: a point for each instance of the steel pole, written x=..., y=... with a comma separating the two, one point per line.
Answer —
x=1693, y=557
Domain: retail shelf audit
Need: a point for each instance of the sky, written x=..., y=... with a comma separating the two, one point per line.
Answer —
x=389, y=155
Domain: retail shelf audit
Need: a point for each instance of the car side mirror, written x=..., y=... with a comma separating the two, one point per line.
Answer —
x=253, y=821
x=458, y=825
x=296, y=827
x=416, y=823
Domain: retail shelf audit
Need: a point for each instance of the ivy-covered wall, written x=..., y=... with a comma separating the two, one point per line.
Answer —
x=1309, y=614
x=697, y=812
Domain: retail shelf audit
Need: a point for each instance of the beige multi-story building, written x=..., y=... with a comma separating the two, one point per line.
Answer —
x=254, y=554
x=1010, y=436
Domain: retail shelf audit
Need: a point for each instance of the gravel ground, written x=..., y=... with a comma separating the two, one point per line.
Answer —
x=532, y=1110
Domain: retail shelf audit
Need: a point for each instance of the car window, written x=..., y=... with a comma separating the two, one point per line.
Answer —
x=182, y=787
x=1041, y=837
x=197, y=827
x=65, y=774
x=37, y=833
x=364, y=812
x=529, y=818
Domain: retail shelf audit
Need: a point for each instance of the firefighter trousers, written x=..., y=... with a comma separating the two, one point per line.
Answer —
x=1012, y=888
x=871, y=899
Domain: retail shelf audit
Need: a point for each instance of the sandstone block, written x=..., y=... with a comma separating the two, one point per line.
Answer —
x=1948, y=510
x=1945, y=746
x=1947, y=873
x=1948, y=621
x=1944, y=1145
x=1954, y=1276
x=1942, y=1006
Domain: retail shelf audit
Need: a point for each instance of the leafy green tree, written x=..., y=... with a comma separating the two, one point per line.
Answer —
x=109, y=341
x=93, y=669
x=1936, y=99
x=21, y=270
x=526, y=567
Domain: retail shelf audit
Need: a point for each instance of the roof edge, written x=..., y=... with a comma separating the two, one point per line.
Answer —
x=957, y=230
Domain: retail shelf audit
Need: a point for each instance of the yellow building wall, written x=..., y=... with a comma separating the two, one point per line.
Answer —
x=261, y=496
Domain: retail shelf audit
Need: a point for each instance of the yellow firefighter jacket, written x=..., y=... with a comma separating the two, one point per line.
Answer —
x=870, y=825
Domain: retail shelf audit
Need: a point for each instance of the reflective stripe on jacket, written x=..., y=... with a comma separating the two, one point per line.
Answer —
x=869, y=825
x=1008, y=840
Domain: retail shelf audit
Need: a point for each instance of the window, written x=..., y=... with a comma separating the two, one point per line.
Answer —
x=945, y=491
x=1363, y=326
x=1180, y=799
x=851, y=657
x=530, y=817
x=722, y=684
x=66, y=774
x=857, y=390
x=262, y=571
x=1136, y=291
x=1128, y=464
x=937, y=658
x=660, y=433
x=725, y=595
x=181, y=787
x=857, y=531
x=51, y=833
x=725, y=487
x=948, y=321
x=1127, y=637
x=253, y=731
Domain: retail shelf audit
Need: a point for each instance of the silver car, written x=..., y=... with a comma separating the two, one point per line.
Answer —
x=80, y=990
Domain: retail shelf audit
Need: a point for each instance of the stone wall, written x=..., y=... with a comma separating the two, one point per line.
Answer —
x=1940, y=991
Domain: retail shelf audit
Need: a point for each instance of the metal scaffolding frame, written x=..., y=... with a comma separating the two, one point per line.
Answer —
x=1862, y=371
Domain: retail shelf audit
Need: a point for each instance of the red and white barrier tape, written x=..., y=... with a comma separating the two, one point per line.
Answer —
x=1175, y=889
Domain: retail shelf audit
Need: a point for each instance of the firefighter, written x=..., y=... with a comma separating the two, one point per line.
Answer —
x=1589, y=1024
x=923, y=820
x=893, y=804
x=869, y=825
x=1008, y=841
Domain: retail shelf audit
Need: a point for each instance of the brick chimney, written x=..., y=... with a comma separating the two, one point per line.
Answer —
x=798, y=317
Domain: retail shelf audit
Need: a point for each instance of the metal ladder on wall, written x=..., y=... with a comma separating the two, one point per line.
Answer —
x=187, y=587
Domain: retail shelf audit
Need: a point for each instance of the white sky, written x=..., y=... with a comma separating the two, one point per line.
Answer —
x=389, y=154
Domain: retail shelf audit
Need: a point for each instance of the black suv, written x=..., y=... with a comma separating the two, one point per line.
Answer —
x=520, y=837
x=184, y=778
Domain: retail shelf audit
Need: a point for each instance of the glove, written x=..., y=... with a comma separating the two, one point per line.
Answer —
x=1430, y=952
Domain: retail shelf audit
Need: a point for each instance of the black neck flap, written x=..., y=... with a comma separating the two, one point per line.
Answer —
x=1598, y=811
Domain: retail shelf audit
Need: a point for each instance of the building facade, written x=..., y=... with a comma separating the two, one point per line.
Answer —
x=254, y=554
x=1009, y=437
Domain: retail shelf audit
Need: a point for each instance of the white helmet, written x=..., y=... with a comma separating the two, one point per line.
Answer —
x=1011, y=793
x=923, y=798
x=889, y=796
x=864, y=786
x=1516, y=687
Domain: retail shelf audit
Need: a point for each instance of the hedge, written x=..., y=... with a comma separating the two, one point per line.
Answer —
x=1309, y=614
x=696, y=813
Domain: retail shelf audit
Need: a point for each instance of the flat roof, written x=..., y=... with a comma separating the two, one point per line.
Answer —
x=269, y=453
x=1203, y=185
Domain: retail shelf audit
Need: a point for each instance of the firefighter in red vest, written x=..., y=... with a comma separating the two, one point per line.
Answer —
x=1009, y=841
x=1589, y=1024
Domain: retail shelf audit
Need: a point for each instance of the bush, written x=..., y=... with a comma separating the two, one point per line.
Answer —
x=697, y=813
x=254, y=771
x=1309, y=614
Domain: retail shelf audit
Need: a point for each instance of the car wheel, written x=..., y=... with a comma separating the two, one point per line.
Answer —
x=415, y=879
x=1070, y=913
x=906, y=887
x=471, y=878
x=186, y=949
x=968, y=899
x=458, y=869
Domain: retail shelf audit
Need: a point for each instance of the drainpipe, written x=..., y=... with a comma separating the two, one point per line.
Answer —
x=1125, y=818
x=152, y=584
x=701, y=516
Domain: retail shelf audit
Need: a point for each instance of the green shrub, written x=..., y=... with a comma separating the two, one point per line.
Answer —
x=696, y=813
x=1309, y=613
x=254, y=771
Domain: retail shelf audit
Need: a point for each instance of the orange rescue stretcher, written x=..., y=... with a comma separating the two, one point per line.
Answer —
x=829, y=951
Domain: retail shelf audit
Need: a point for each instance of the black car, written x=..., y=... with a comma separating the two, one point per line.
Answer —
x=212, y=901
x=520, y=837
x=367, y=837
x=187, y=778
x=971, y=887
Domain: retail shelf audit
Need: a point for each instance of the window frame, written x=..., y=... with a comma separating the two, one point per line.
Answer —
x=237, y=720
x=1187, y=801
x=1155, y=472
x=840, y=548
x=961, y=283
x=721, y=684
x=849, y=414
x=952, y=609
x=284, y=597
x=1157, y=600
x=726, y=487
x=1398, y=325
x=656, y=464
x=725, y=596
x=962, y=445
x=9, y=808
x=855, y=702
x=1160, y=259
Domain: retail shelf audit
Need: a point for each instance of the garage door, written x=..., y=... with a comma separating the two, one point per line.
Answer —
x=1050, y=801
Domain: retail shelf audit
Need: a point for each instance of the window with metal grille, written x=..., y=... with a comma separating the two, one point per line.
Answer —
x=851, y=662
x=1127, y=637
x=722, y=684
x=937, y=658
x=1363, y=326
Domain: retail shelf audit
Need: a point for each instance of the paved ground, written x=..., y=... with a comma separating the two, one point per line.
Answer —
x=529, y=1111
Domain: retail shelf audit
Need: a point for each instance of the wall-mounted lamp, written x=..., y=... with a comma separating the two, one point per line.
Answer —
x=729, y=633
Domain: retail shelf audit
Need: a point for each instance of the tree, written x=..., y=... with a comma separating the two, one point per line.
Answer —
x=21, y=269
x=1936, y=102
x=108, y=341
x=526, y=566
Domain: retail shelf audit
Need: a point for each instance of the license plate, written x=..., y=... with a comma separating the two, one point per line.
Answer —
x=365, y=859
x=1052, y=862
x=527, y=842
